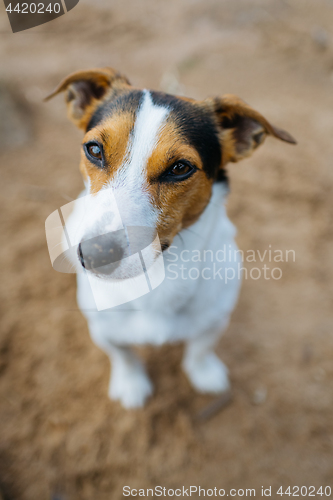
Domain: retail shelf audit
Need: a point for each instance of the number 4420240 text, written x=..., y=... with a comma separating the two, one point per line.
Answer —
x=34, y=8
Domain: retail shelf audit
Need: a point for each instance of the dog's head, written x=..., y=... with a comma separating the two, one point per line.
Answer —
x=159, y=154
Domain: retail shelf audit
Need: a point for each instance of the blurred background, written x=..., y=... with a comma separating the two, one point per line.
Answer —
x=59, y=434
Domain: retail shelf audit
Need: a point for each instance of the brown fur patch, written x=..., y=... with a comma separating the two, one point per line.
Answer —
x=113, y=133
x=180, y=203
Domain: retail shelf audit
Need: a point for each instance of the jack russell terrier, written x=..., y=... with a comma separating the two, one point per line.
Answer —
x=153, y=165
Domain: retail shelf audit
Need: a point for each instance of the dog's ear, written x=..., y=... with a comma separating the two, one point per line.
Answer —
x=242, y=129
x=84, y=90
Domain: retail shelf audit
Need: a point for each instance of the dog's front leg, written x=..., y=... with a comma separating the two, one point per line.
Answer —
x=129, y=382
x=203, y=367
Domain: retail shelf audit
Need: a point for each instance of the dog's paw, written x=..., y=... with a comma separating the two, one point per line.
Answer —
x=207, y=374
x=131, y=387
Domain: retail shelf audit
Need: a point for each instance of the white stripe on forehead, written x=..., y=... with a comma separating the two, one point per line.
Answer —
x=149, y=119
x=129, y=186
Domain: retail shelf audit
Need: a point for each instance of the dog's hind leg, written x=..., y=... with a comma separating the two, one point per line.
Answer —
x=202, y=366
x=129, y=382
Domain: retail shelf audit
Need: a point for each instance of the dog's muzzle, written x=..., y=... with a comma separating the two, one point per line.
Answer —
x=103, y=254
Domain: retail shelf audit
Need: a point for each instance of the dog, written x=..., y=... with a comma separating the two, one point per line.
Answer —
x=161, y=160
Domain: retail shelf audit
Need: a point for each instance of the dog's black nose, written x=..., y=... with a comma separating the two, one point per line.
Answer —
x=102, y=254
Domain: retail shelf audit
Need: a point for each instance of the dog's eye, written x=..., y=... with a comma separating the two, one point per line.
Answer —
x=180, y=169
x=94, y=152
x=178, y=172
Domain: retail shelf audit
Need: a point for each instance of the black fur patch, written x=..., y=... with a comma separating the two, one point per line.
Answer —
x=197, y=127
x=222, y=176
x=124, y=101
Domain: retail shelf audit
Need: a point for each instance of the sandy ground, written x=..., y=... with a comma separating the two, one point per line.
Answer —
x=58, y=431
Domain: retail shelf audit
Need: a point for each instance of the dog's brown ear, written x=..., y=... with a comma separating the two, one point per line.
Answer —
x=242, y=128
x=86, y=89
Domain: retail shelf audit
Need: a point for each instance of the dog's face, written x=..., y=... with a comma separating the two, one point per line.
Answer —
x=158, y=155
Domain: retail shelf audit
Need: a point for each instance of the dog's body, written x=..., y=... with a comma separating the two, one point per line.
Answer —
x=163, y=157
x=192, y=310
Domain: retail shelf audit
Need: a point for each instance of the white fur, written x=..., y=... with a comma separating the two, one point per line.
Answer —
x=149, y=119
